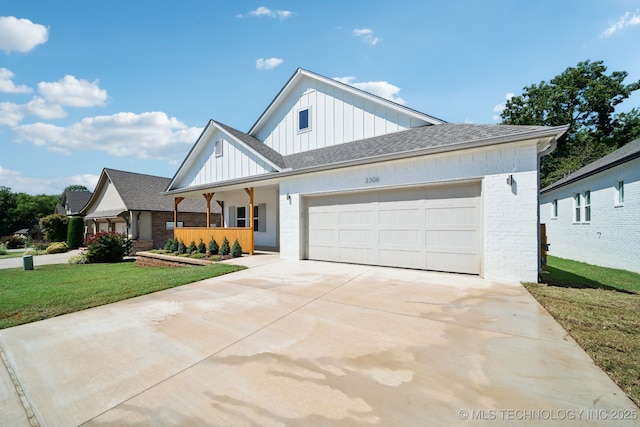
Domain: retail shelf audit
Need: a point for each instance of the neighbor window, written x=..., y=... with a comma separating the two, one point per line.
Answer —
x=576, y=206
x=554, y=208
x=218, y=148
x=169, y=225
x=620, y=192
x=587, y=206
x=241, y=216
x=304, y=122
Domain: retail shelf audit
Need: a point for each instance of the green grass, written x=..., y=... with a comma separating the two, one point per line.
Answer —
x=12, y=255
x=53, y=290
x=599, y=307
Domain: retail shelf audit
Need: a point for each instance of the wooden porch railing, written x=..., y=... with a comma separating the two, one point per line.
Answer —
x=194, y=234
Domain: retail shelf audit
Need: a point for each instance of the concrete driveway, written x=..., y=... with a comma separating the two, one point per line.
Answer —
x=308, y=343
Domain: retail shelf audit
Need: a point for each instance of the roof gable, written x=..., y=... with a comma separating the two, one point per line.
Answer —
x=337, y=113
x=241, y=155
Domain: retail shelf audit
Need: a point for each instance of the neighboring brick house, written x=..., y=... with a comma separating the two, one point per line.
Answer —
x=330, y=172
x=592, y=215
x=133, y=204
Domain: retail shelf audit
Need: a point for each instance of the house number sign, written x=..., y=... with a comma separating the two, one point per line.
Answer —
x=372, y=179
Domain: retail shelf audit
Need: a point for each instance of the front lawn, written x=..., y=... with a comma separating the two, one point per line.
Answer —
x=600, y=308
x=12, y=255
x=52, y=290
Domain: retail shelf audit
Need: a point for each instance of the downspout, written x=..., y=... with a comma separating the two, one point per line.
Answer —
x=138, y=225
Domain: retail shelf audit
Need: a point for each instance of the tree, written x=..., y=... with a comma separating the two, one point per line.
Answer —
x=75, y=187
x=7, y=205
x=54, y=227
x=585, y=98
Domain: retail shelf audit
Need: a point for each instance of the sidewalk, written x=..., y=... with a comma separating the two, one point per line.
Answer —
x=39, y=259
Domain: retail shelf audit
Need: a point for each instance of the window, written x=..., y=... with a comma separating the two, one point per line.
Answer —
x=576, y=206
x=304, y=122
x=241, y=216
x=256, y=218
x=169, y=225
x=620, y=193
x=587, y=206
x=218, y=148
x=554, y=208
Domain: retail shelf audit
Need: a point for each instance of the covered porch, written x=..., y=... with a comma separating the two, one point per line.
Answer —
x=248, y=214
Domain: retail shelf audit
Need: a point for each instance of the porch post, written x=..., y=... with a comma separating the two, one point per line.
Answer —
x=177, y=201
x=250, y=193
x=208, y=197
x=221, y=204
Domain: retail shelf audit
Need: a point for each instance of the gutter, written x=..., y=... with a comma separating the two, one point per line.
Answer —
x=556, y=131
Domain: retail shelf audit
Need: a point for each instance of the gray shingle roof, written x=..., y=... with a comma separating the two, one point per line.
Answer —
x=424, y=137
x=77, y=199
x=272, y=155
x=141, y=192
x=623, y=154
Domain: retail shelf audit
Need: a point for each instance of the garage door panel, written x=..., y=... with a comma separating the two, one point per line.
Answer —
x=434, y=228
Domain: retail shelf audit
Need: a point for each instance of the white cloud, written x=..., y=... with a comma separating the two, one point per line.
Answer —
x=73, y=92
x=31, y=185
x=500, y=107
x=21, y=35
x=366, y=35
x=7, y=85
x=43, y=109
x=264, y=11
x=268, y=64
x=382, y=89
x=10, y=114
x=626, y=20
x=151, y=135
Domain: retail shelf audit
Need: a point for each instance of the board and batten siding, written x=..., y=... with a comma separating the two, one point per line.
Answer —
x=336, y=116
x=236, y=161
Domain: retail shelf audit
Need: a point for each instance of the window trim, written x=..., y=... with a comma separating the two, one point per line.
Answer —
x=586, y=194
x=554, y=209
x=577, y=208
x=308, y=128
x=619, y=194
x=241, y=218
x=217, y=148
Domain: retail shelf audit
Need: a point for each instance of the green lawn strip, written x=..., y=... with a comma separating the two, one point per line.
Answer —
x=12, y=255
x=598, y=307
x=53, y=290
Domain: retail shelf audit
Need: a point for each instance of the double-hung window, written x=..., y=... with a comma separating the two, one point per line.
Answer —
x=619, y=201
x=576, y=207
x=554, y=208
x=241, y=216
x=587, y=206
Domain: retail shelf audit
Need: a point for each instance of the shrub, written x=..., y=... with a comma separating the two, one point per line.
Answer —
x=57, y=248
x=75, y=230
x=192, y=248
x=224, y=249
x=78, y=259
x=107, y=247
x=182, y=248
x=168, y=245
x=54, y=227
x=13, y=242
x=174, y=245
x=202, y=248
x=236, y=249
x=3, y=249
x=213, y=246
x=198, y=255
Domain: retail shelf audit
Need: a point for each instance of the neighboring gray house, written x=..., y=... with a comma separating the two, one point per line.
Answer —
x=73, y=202
x=330, y=172
x=593, y=214
x=132, y=204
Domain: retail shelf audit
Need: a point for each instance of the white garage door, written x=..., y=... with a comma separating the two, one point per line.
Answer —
x=432, y=228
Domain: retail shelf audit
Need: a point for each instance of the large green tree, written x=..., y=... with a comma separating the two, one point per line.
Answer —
x=584, y=97
x=21, y=210
x=7, y=205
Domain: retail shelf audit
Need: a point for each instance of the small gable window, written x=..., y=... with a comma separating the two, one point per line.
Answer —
x=304, y=120
x=218, y=148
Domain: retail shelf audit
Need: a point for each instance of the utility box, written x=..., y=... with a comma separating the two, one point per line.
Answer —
x=27, y=262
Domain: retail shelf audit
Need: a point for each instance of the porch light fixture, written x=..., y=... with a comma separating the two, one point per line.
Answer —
x=510, y=180
x=288, y=197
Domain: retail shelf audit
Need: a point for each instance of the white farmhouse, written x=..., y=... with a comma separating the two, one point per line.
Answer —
x=330, y=172
x=593, y=214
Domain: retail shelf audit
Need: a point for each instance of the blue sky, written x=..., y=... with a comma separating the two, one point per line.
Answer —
x=129, y=85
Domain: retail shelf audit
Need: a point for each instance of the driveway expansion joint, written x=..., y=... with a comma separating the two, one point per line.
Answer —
x=26, y=405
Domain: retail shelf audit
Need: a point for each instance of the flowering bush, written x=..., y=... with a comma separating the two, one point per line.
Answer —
x=107, y=247
x=57, y=248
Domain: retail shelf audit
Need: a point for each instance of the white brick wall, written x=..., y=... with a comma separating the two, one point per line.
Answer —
x=612, y=238
x=510, y=244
